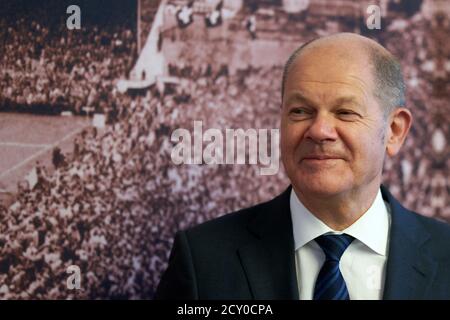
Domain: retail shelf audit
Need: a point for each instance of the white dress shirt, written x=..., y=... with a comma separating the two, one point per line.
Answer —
x=363, y=263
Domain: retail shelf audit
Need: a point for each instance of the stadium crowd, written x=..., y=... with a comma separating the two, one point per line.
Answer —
x=112, y=209
x=47, y=68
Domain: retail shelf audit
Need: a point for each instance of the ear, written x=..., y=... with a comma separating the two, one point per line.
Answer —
x=399, y=123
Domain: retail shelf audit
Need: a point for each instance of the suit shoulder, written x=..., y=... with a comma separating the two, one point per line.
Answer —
x=436, y=228
x=227, y=224
x=439, y=232
x=234, y=229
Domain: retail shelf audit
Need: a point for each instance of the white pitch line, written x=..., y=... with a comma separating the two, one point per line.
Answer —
x=37, y=154
x=24, y=145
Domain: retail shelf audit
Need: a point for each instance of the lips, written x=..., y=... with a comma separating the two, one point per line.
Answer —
x=320, y=157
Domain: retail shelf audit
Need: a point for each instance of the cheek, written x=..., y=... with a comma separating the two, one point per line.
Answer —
x=289, y=147
x=365, y=148
x=291, y=136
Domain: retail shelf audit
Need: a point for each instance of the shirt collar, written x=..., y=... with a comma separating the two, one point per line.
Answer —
x=371, y=228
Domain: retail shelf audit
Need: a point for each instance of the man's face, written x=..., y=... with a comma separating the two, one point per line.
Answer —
x=332, y=128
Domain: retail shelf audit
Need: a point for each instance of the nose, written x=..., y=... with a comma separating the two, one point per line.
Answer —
x=321, y=129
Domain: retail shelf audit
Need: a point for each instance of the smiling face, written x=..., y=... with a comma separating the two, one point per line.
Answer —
x=332, y=127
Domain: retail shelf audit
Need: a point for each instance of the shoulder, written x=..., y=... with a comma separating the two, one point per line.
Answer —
x=227, y=225
x=436, y=228
x=438, y=235
x=239, y=226
x=419, y=229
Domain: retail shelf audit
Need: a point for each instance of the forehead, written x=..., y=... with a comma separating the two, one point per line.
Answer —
x=332, y=70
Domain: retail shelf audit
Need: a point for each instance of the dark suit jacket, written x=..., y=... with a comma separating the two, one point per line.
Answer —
x=249, y=254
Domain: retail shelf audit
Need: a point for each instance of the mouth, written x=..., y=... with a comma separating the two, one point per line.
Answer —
x=320, y=158
x=320, y=161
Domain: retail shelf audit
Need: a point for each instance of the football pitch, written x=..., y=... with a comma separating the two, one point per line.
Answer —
x=26, y=139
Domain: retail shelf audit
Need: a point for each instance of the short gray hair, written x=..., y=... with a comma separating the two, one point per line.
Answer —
x=389, y=86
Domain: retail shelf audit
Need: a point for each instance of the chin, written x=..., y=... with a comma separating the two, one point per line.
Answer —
x=321, y=185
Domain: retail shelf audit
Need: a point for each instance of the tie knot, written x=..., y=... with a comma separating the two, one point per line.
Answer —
x=334, y=245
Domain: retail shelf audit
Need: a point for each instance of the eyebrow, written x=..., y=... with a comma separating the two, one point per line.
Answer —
x=346, y=100
x=299, y=97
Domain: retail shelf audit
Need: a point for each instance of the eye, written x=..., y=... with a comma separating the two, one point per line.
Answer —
x=347, y=114
x=299, y=111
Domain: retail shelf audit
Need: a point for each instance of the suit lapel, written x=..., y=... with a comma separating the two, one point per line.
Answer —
x=409, y=270
x=268, y=260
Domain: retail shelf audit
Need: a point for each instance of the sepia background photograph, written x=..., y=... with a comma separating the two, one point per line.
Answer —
x=91, y=92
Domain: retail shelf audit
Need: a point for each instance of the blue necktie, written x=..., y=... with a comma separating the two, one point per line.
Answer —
x=330, y=284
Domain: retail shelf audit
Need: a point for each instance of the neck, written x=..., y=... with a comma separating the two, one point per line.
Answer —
x=342, y=210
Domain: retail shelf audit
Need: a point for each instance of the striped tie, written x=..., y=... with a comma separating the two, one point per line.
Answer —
x=330, y=284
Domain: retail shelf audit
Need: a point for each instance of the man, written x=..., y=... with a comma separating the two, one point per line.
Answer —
x=336, y=233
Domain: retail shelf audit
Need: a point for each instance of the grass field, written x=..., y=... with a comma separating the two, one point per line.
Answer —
x=25, y=139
